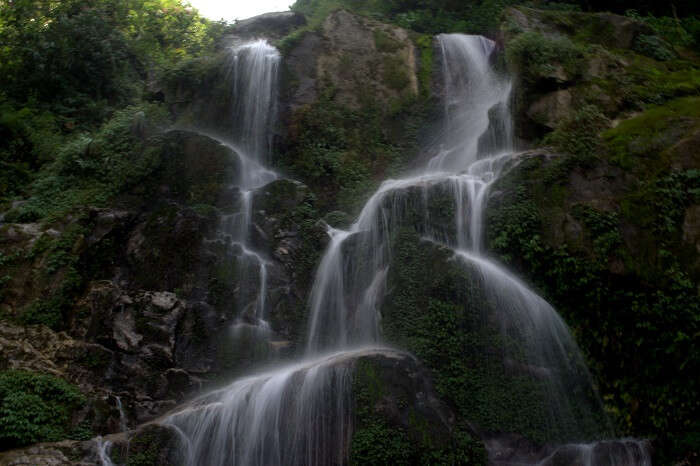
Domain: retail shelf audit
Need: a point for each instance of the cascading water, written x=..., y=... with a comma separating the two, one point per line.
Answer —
x=253, y=74
x=299, y=414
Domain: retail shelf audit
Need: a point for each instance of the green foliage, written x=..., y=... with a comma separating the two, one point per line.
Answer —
x=536, y=55
x=653, y=46
x=316, y=11
x=678, y=32
x=395, y=73
x=93, y=168
x=376, y=441
x=433, y=17
x=646, y=138
x=339, y=152
x=76, y=52
x=66, y=66
x=438, y=311
x=35, y=408
x=385, y=43
x=552, y=6
x=635, y=325
x=28, y=138
x=579, y=135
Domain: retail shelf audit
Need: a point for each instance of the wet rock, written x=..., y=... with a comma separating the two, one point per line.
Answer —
x=40, y=455
x=508, y=449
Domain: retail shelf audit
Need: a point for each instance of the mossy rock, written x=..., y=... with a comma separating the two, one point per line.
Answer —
x=646, y=144
x=399, y=420
x=151, y=445
x=602, y=237
x=196, y=169
x=438, y=310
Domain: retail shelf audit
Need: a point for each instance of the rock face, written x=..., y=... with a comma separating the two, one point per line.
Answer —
x=551, y=109
x=147, y=319
x=358, y=57
x=606, y=29
x=568, y=74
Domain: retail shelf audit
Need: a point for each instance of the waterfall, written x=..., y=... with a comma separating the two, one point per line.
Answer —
x=253, y=74
x=300, y=413
x=103, y=448
x=123, y=426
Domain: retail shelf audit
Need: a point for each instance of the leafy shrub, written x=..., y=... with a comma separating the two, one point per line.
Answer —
x=536, y=55
x=92, y=168
x=35, y=408
x=579, y=135
x=654, y=47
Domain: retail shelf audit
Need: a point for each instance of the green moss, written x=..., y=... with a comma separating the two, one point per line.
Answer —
x=152, y=446
x=35, y=408
x=425, y=73
x=639, y=144
x=535, y=56
x=436, y=311
x=395, y=73
x=623, y=319
x=646, y=81
x=376, y=441
x=385, y=43
x=62, y=275
x=654, y=47
x=342, y=153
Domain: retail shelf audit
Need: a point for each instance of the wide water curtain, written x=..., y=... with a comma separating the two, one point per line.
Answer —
x=300, y=413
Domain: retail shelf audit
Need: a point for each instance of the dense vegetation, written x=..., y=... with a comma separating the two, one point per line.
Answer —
x=66, y=66
x=81, y=114
x=36, y=408
x=483, y=16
